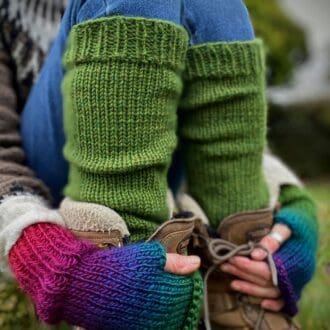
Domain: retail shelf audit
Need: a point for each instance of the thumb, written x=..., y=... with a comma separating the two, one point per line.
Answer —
x=270, y=243
x=181, y=265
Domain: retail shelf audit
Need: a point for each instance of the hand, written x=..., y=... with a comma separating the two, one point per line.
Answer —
x=254, y=275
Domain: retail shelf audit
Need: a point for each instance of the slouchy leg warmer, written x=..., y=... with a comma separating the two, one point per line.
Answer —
x=121, y=93
x=223, y=127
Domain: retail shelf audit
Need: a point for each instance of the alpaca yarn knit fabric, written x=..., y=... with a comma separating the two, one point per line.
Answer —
x=295, y=261
x=121, y=288
x=222, y=126
x=121, y=92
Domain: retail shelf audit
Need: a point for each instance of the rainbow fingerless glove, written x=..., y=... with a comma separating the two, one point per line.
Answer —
x=122, y=288
x=295, y=261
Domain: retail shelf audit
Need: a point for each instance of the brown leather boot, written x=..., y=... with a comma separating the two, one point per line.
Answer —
x=223, y=308
x=175, y=234
x=106, y=229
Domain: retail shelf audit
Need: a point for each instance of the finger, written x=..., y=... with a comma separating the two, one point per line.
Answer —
x=231, y=269
x=256, y=268
x=255, y=290
x=274, y=305
x=181, y=265
x=271, y=243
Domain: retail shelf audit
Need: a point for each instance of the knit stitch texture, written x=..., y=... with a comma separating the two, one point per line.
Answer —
x=41, y=123
x=295, y=261
x=223, y=127
x=121, y=92
x=123, y=288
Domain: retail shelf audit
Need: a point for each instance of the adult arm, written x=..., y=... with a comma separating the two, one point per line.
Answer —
x=15, y=178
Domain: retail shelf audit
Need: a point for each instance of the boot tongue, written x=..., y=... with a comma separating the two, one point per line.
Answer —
x=243, y=227
x=175, y=234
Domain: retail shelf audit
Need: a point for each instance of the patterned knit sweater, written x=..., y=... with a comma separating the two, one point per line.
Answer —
x=27, y=29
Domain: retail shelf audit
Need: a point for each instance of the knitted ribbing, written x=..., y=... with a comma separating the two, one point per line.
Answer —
x=123, y=288
x=295, y=261
x=121, y=93
x=223, y=126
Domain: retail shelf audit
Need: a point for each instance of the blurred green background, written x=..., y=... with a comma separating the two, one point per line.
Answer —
x=299, y=132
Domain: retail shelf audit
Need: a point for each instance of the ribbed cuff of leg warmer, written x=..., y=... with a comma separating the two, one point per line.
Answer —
x=128, y=39
x=225, y=59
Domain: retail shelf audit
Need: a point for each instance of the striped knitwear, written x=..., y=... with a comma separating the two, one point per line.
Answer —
x=121, y=288
x=295, y=261
x=121, y=92
x=223, y=127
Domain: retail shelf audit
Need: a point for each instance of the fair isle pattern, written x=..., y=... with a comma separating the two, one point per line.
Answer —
x=28, y=28
x=36, y=18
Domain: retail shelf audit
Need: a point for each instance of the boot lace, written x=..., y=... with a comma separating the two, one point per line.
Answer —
x=221, y=251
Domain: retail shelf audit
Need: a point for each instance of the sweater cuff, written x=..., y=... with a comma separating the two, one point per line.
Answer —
x=277, y=174
x=17, y=213
x=91, y=217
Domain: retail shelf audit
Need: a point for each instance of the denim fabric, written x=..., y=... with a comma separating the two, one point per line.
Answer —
x=168, y=10
x=217, y=20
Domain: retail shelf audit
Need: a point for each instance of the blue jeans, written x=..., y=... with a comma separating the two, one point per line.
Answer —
x=217, y=20
x=42, y=124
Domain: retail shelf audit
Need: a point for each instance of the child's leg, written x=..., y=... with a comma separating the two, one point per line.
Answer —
x=121, y=94
x=42, y=124
x=223, y=111
x=168, y=10
x=217, y=20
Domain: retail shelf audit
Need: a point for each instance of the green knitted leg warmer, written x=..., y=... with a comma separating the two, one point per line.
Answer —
x=121, y=92
x=223, y=126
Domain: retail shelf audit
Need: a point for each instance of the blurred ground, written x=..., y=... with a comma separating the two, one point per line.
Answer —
x=315, y=307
